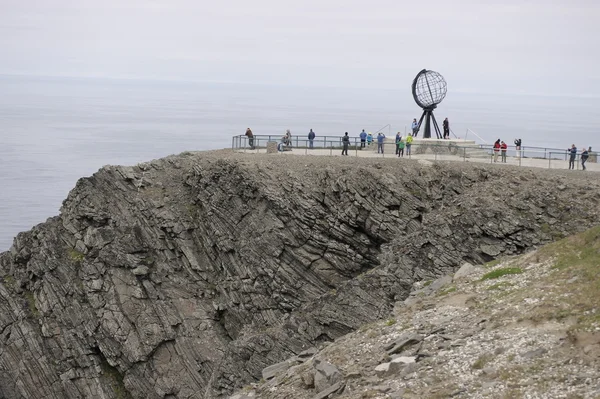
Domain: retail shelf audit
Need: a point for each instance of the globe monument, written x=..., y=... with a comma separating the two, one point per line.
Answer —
x=429, y=89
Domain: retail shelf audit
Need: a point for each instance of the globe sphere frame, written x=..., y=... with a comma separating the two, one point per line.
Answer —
x=429, y=88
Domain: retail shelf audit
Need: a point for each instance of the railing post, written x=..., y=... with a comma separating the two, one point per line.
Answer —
x=550, y=161
x=330, y=148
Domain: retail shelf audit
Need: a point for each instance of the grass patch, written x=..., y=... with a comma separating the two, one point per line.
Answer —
x=427, y=283
x=576, y=257
x=75, y=255
x=115, y=379
x=30, y=298
x=390, y=322
x=9, y=281
x=501, y=272
x=481, y=361
x=447, y=291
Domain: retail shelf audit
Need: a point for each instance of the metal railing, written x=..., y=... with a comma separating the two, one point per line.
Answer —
x=332, y=146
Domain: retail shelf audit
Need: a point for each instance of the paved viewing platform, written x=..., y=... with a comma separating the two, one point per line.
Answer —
x=429, y=150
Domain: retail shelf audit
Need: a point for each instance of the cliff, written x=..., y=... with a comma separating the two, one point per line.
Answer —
x=184, y=277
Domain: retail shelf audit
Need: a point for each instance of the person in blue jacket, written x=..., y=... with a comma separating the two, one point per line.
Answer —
x=363, y=139
x=572, y=155
x=380, y=138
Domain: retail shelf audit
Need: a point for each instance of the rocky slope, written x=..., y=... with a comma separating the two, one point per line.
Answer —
x=521, y=327
x=185, y=277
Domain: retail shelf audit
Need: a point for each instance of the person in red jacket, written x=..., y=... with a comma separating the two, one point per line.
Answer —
x=503, y=147
x=496, y=150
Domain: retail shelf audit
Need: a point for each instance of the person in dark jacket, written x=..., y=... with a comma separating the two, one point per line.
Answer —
x=398, y=139
x=518, y=147
x=572, y=155
x=446, y=125
x=311, y=137
x=250, y=138
x=584, y=157
x=345, y=143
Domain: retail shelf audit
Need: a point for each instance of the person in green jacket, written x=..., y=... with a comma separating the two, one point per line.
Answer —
x=400, y=145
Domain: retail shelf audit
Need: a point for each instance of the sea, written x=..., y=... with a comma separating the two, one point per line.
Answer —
x=54, y=130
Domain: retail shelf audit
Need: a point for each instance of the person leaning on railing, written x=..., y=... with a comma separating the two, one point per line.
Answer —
x=250, y=138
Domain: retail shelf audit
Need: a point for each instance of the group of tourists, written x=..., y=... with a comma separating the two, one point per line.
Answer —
x=500, y=147
x=415, y=126
x=585, y=154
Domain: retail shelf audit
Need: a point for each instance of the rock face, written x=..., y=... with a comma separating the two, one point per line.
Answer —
x=187, y=276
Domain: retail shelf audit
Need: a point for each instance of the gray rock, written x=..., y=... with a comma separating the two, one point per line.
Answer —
x=326, y=375
x=465, y=271
x=307, y=353
x=534, y=353
x=278, y=368
x=403, y=342
x=338, y=387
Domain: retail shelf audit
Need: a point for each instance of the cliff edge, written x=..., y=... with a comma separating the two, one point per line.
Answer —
x=185, y=277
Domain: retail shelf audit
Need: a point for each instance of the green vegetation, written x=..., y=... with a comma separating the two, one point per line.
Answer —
x=115, y=379
x=75, y=255
x=9, y=281
x=481, y=361
x=576, y=264
x=501, y=272
x=30, y=298
x=447, y=290
x=390, y=322
x=427, y=283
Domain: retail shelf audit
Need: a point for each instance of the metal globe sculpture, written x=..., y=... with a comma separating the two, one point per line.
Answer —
x=429, y=89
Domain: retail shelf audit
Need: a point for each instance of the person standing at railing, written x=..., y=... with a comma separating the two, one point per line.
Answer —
x=250, y=138
x=415, y=127
x=363, y=139
x=380, y=138
x=518, y=147
x=288, y=137
x=573, y=154
x=446, y=125
x=400, y=146
x=496, y=150
x=398, y=139
x=503, y=148
x=584, y=157
x=409, y=140
x=369, y=138
x=345, y=144
x=311, y=137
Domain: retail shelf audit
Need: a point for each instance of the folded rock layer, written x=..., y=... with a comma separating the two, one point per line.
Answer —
x=185, y=277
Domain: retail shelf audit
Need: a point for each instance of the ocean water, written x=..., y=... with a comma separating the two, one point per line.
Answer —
x=55, y=130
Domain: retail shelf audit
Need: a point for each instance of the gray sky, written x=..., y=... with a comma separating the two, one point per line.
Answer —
x=539, y=46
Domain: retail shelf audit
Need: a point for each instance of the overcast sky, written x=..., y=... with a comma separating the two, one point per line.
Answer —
x=539, y=46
